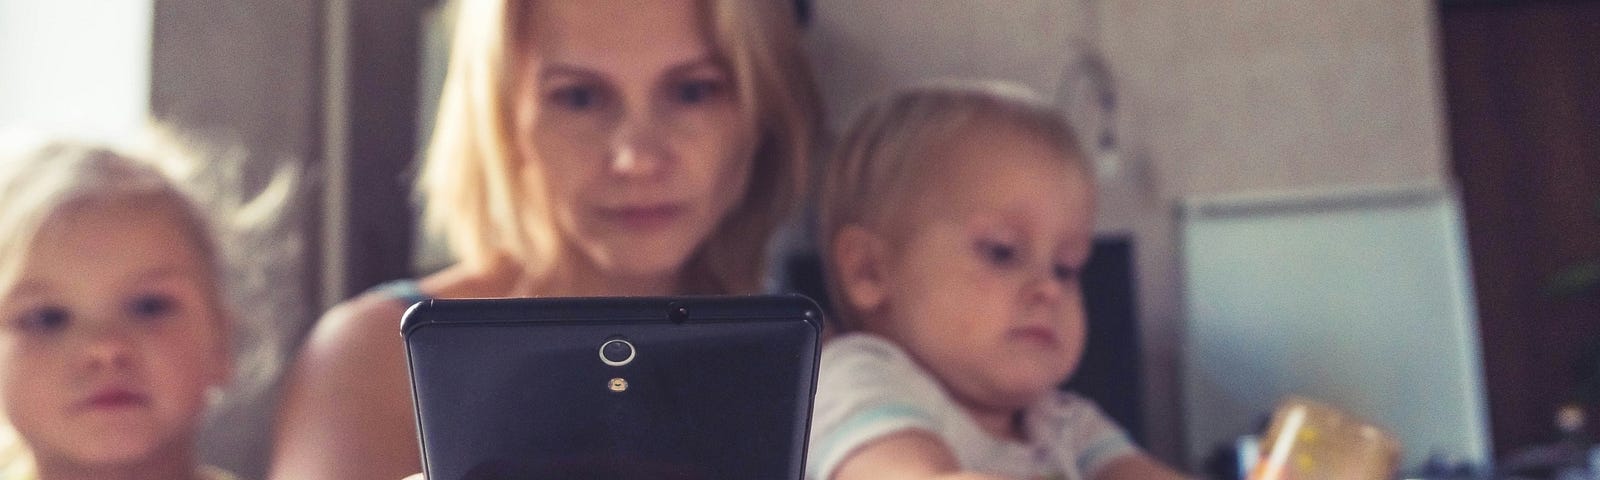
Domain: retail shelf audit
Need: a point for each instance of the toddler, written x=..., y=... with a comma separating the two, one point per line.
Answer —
x=113, y=333
x=954, y=223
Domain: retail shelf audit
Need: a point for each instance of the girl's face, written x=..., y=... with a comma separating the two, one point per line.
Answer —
x=109, y=338
x=638, y=130
x=983, y=288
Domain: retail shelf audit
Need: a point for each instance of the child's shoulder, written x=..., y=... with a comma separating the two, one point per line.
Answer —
x=865, y=367
x=853, y=351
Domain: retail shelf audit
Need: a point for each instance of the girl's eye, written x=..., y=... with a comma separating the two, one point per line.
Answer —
x=45, y=320
x=152, y=306
x=1064, y=272
x=578, y=97
x=997, y=253
x=697, y=91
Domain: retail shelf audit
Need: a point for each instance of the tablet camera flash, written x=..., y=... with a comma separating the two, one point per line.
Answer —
x=619, y=384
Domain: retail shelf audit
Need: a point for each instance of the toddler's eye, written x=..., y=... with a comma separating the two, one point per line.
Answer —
x=44, y=320
x=578, y=97
x=1065, y=273
x=151, y=306
x=997, y=253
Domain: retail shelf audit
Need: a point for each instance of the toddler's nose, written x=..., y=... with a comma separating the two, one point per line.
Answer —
x=109, y=347
x=1046, y=288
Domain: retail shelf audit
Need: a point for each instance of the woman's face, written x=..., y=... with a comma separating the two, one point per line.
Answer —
x=638, y=130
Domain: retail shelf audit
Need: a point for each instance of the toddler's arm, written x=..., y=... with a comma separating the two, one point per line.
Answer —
x=1137, y=466
x=906, y=455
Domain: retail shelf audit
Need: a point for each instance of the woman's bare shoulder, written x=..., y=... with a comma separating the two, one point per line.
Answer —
x=368, y=320
x=372, y=319
x=346, y=411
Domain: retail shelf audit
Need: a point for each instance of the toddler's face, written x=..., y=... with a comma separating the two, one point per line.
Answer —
x=109, y=340
x=984, y=288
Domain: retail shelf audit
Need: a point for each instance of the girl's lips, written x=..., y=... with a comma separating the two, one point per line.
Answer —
x=643, y=217
x=113, y=398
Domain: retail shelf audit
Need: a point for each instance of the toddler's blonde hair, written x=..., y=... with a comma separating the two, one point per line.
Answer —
x=890, y=151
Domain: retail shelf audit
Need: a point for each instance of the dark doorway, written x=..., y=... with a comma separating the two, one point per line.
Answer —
x=1523, y=88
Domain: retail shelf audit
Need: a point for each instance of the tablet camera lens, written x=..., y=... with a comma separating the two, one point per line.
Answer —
x=616, y=352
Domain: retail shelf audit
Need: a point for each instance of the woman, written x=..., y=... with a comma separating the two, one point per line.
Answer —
x=583, y=147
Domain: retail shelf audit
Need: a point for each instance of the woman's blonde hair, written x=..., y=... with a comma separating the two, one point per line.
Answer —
x=475, y=182
x=889, y=152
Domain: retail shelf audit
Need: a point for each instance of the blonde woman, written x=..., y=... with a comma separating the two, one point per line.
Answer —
x=583, y=147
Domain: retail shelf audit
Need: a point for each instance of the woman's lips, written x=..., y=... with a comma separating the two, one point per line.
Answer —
x=643, y=217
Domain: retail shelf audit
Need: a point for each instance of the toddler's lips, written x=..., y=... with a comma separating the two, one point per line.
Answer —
x=1041, y=335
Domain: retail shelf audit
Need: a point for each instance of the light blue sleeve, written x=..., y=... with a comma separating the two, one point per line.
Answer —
x=866, y=389
x=1095, y=440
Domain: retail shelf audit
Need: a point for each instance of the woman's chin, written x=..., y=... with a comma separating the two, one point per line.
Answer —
x=645, y=263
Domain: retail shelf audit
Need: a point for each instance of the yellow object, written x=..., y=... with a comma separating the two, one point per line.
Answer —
x=1309, y=440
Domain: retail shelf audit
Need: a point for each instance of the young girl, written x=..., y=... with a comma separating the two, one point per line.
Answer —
x=113, y=334
x=955, y=223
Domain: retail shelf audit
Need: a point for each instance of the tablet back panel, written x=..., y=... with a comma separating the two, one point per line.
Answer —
x=518, y=388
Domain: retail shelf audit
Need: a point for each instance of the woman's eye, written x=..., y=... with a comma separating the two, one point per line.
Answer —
x=152, y=306
x=997, y=253
x=44, y=320
x=576, y=97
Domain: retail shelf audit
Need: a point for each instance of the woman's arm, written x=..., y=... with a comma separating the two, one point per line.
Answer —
x=907, y=455
x=346, y=412
x=1138, y=466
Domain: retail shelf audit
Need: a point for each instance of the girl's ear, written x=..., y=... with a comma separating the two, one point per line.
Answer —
x=861, y=255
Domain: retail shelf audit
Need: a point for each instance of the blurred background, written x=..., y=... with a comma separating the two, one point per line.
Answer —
x=1390, y=205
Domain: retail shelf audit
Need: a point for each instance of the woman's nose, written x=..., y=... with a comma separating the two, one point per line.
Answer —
x=637, y=150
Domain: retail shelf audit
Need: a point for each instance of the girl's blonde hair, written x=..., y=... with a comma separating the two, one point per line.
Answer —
x=476, y=185
x=890, y=150
x=42, y=182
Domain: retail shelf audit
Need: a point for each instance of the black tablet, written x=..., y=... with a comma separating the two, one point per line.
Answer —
x=633, y=388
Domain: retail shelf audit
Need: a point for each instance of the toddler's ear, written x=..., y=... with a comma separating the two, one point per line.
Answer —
x=860, y=256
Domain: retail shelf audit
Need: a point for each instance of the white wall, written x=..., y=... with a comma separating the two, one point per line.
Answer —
x=75, y=67
x=1361, y=298
x=1215, y=98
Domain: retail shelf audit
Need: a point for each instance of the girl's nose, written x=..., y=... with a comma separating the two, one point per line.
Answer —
x=110, y=347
